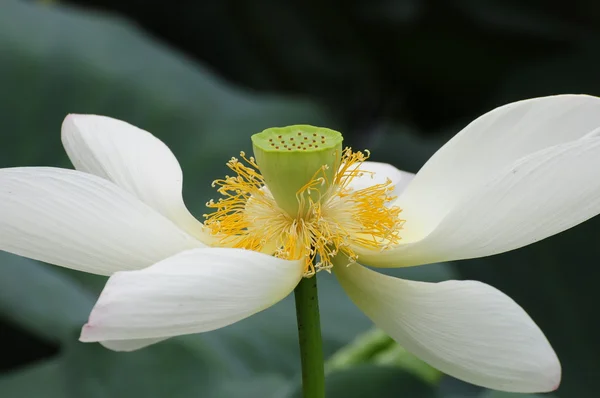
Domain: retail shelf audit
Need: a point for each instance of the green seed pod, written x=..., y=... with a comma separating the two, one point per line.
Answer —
x=291, y=157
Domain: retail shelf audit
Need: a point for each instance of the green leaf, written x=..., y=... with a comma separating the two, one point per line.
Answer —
x=373, y=381
x=376, y=347
x=168, y=369
x=41, y=300
x=264, y=385
x=40, y=380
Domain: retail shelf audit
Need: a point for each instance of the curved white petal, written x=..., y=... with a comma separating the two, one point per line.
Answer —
x=133, y=159
x=194, y=291
x=81, y=221
x=466, y=329
x=490, y=144
x=379, y=173
x=534, y=198
x=130, y=345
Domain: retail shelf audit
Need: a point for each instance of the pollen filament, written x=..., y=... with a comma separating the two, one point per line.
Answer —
x=333, y=222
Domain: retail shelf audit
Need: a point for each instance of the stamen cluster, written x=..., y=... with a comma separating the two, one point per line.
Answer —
x=247, y=216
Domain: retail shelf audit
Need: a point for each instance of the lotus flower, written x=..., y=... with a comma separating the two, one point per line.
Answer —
x=514, y=176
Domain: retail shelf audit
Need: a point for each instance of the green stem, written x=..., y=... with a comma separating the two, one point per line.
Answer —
x=309, y=335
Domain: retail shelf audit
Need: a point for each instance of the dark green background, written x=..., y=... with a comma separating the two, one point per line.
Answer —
x=397, y=77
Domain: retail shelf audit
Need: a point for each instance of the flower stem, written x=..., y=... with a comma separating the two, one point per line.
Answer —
x=309, y=335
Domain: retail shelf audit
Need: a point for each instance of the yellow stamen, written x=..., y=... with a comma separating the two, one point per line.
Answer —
x=248, y=217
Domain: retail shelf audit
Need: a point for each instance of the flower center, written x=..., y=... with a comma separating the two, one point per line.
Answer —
x=331, y=217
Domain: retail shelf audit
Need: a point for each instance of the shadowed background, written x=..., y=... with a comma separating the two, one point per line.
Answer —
x=396, y=77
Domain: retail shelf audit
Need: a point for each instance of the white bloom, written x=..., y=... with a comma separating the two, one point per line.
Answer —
x=516, y=175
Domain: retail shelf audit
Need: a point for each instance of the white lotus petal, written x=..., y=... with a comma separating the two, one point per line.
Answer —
x=133, y=159
x=490, y=144
x=130, y=345
x=194, y=291
x=534, y=198
x=379, y=173
x=466, y=329
x=80, y=221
